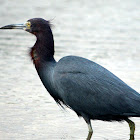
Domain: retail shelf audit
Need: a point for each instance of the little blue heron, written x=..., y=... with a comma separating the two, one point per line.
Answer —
x=89, y=89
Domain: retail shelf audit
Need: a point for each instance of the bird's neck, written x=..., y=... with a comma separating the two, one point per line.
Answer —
x=43, y=50
x=42, y=55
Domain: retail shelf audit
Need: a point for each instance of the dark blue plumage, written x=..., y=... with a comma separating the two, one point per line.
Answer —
x=90, y=90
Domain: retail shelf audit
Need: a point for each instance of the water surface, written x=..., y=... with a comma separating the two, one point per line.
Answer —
x=107, y=32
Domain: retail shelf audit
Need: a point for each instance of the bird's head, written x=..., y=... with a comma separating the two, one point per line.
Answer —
x=34, y=26
x=43, y=49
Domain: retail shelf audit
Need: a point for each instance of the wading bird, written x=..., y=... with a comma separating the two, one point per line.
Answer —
x=89, y=89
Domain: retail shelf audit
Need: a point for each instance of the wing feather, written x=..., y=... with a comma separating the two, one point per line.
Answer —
x=89, y=88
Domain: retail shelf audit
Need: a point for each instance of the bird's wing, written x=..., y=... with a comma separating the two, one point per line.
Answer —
x=88, y=87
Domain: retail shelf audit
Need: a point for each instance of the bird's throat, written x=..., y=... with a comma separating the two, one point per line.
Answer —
x=43, y=49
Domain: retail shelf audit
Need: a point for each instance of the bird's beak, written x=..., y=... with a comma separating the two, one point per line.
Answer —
x=14, y=26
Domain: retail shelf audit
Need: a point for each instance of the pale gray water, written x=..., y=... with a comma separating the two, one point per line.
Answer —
x=105, y=31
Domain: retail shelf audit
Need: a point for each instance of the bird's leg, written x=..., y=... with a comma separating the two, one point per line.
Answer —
x=90, y=131
x=132, y=128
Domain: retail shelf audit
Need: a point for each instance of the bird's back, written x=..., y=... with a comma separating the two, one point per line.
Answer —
x=92, y=90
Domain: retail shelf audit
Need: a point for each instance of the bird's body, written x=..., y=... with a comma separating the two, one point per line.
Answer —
x=89, y=89
x=84, y=86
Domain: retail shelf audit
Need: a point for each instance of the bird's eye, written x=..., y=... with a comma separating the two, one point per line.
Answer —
x=28, y=25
